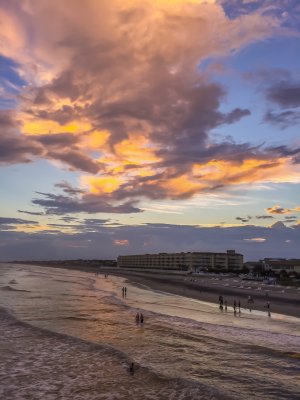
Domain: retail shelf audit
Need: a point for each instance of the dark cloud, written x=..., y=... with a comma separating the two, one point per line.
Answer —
x=285, y=95
x=76, y=160
x=284, y=151
x=57, y=140
x=235, y=115
x=242, y=219
x=63, y=115
x=16, y=221
x=67, y=188
x=59, y=204
x=15, y=148
x=63, y=147
x=68, y=219
x=264, y=217
x=104, y=241
x=265, y=78
x=291, y=219
x=278, y=210
x=283, y=118
x=95, y=221
x=31, y=212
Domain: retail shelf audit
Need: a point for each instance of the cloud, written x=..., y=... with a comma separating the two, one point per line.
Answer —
x=283, y=118
x=235, y=115
x=60, y=204
x=31, y=212
x=258, y=240
x=68, y=189
x=149, y=238
x=264, y=216
x=115, y=90
x=15, y=221
x=242, y=219
x=290, y=219
x=121, y=242
x=285, y=95
x=266, y=78
x=15, y=148
x=277, y=209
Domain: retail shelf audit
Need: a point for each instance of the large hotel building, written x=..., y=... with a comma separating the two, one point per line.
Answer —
x=192, y=261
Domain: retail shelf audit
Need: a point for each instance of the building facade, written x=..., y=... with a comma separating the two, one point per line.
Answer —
x=281, y=264
x=192, y=261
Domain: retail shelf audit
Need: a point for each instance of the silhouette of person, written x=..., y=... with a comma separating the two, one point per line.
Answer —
x=131, y=368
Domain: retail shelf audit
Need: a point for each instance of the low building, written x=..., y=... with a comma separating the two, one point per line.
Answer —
x=192, y=261
x=281, y=264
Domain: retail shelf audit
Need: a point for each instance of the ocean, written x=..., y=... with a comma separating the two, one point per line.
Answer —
x=68, y=334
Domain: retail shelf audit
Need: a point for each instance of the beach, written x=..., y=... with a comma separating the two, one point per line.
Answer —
x=207, y=288
x=70, y=334
x=282, y=299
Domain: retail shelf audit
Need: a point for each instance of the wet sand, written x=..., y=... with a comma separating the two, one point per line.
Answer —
x=282, y=300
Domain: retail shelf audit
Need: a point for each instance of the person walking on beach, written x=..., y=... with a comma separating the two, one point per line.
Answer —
x=234, y=306
x=221, y=303
x=239, y=306
x=131, y=368
x=125, y=291
x=141, y=318
x=268, y=309
x=250, y=302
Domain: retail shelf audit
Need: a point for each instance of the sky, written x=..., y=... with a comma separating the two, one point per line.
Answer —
x=138, y=126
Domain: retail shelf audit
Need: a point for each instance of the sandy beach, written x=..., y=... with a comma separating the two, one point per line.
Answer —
x=283, y=300
x=206, y=288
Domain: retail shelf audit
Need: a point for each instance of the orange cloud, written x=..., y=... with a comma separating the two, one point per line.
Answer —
x=248, y=171
x=277, y=209
x=100, y=185
x=121, y=242
x=44, y=127
x=258, y=240
x=120, y=79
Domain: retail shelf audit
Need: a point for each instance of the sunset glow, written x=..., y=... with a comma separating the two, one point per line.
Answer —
x=118, y=110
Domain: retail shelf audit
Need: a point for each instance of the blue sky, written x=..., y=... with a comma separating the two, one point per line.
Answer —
x=177, y=116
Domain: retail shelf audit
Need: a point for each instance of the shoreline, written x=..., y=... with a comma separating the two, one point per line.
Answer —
x=280, y=303
x=205, y=288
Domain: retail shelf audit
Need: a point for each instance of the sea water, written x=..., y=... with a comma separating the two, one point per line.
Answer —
x=77, y=334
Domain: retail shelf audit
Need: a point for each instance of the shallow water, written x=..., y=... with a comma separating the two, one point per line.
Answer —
x=186, y=344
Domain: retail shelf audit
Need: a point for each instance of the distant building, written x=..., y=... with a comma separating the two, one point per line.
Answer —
x=192, y=261
x=281, y=264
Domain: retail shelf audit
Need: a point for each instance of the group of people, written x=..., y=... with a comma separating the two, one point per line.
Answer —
x=124, y=291
x=237, y=305
x=139, y=318
x=223, y=305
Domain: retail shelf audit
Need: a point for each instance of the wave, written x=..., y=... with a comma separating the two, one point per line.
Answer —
x=156, y=383
x=80, y=318
x=9, y=288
